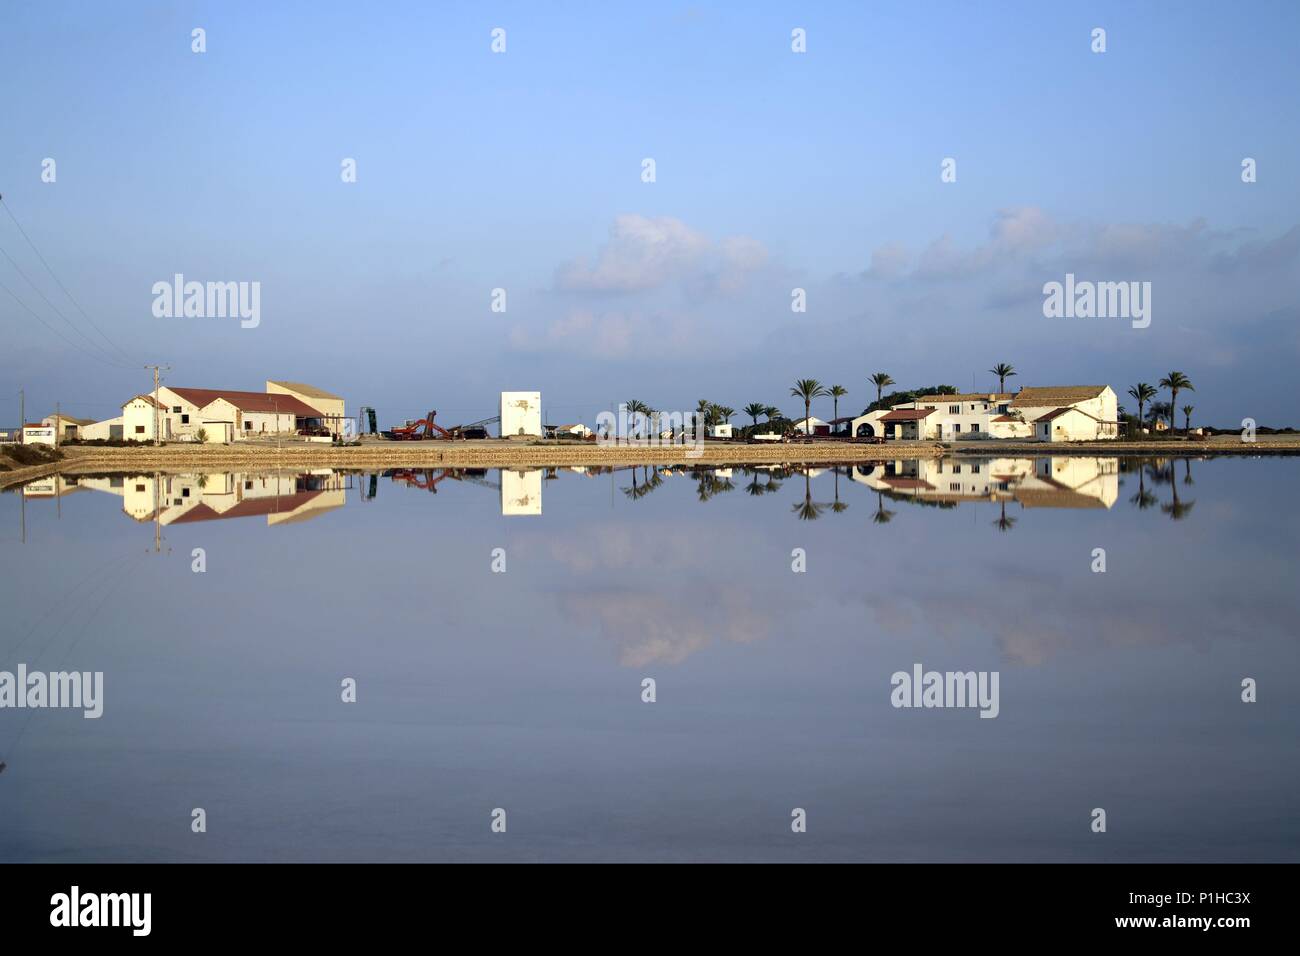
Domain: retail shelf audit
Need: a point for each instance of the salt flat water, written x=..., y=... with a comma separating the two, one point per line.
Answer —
x=499, y=627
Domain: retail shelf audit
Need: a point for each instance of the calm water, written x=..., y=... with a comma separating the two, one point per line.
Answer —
x=522, y=690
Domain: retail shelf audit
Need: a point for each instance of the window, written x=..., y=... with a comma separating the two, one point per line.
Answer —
x=974, y=469
x=248, y=486
x=248, y=426
x=954, y=486
x=176, y=409
x=178, y=501
x=954, y=409
x=139, y=429
x=185, y=492
x=1004, y=408
x=139, y=488
x=185, y=419
x=957, y=428
x=956, y=469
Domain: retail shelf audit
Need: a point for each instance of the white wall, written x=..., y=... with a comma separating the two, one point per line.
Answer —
x=521, y=414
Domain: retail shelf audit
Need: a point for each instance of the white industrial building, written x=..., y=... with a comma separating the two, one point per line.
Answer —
x=521, y=414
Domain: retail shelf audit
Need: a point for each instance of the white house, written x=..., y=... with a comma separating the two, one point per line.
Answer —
x=810, y=425
x=331, y=406
x=1093, y=412
x=69, y=428
x=39, y=434
x=721, y=430
x=109, y=428
x=570, y=431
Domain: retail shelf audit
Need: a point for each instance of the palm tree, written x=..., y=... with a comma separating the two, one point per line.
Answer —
x=836, y=391
x=808, y=389
x=634, y=408
x=1142, y=393
x=753, y=410
x=1003, y=371
x=1187, y=417
x=771, y=412
x=881, y=380
x=1176, y=382
x=1160, y=411
x=1177, y=509
x=722, y=413
x=882, y=515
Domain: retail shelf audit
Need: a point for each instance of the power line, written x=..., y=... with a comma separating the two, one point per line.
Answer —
x=91, y=342
x=76, y=345
x=71, y=299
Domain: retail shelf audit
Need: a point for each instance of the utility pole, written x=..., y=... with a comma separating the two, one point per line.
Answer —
x=22, y=413
x=58, y=417
x=166, y=368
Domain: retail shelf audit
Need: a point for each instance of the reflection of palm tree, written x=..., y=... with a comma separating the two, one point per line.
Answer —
x=838, y=506
x=1187, y=478
x=808, y=510
x=882, y=515
x=1004, y=523
x=1177, y=509
x=1143, y=499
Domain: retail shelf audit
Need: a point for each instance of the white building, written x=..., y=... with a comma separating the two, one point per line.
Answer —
x=721, y=430
x=1058, y=413
x=810, y=425
x=521, y=414
x=521, y=492
x=1065, y=482
x=39, y=434
x=569, y=431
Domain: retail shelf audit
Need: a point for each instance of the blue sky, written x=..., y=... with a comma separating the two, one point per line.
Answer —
x=775, y=170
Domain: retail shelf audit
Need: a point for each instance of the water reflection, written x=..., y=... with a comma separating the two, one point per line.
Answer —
x=1062, y=482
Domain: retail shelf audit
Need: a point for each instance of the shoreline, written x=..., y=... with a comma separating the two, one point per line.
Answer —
x=496, y=453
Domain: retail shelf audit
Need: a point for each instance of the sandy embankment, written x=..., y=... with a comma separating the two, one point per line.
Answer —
x=495, y=453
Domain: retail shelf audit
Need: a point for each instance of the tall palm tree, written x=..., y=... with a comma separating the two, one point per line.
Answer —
x=1142, y=393
x=882, y=381
x=1176, y=382
x=722, y=413
x=1187, y=417
x=634, y=408
x=753, y=410
x=808, y=389
x=1003, y=371
x=771, y=412
x=836, y=391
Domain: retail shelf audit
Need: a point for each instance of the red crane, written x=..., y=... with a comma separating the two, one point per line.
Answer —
x=419, y=430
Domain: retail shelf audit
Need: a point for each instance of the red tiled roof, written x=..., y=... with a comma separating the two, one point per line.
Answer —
x=249, y=401
x=1006, y=418
x=907, y=414
x=250, y=507
x=907, y=483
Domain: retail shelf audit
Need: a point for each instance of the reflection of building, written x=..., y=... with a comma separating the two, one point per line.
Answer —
x=521, y=492
x=183, y=499
x=1065, y=482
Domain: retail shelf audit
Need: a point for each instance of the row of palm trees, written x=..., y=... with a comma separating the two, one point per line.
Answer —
x=809, y=389
x=1176, y=382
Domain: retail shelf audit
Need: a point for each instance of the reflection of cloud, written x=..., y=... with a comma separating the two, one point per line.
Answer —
x=658, y=593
